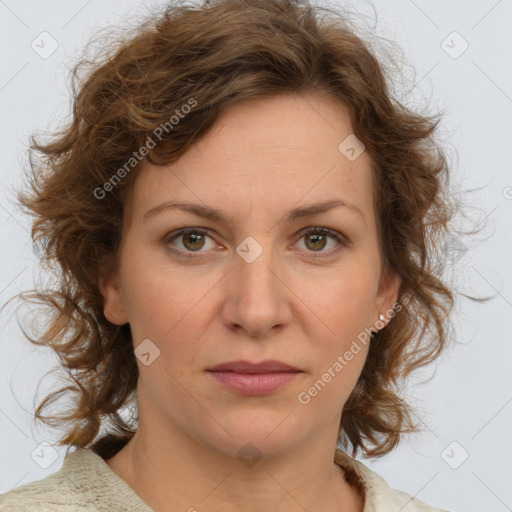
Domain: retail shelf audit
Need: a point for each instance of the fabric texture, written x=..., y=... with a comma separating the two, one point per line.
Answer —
x=86, y=483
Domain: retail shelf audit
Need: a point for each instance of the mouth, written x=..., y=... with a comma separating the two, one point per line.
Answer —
x=248, y=378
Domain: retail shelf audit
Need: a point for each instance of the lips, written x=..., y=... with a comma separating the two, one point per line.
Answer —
x=269, y=366
x=246, y=378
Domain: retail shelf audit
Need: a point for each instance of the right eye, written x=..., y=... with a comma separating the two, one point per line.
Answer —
x=193, y=240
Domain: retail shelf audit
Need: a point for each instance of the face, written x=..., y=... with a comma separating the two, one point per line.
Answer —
x=256, y=283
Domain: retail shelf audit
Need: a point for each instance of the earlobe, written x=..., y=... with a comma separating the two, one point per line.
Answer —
x=389, y=293
x=113, y=305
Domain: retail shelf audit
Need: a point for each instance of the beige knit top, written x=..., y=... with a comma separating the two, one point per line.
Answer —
x=85, y=483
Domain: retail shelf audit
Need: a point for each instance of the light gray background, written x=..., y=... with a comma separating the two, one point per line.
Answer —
x=469, y=400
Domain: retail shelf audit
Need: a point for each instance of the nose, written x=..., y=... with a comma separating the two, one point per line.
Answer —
x=257, y=299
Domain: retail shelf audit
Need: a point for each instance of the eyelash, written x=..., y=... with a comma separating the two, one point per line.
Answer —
x=342, y=240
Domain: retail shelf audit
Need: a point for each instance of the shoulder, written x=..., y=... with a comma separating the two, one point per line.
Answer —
x=83, y=483
x=58, y=491
x=379, y=496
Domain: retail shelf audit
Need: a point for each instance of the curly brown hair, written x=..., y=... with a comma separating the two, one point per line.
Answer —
x=216, y=54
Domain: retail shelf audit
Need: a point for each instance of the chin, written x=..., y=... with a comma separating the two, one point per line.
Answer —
x=270, y=432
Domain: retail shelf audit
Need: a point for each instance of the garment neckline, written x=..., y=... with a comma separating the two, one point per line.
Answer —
x=356, y=474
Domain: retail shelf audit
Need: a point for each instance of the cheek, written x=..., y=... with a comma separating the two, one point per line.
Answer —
x=343, y=302
x=343, y=306
x=151, y=293
x=169, y=306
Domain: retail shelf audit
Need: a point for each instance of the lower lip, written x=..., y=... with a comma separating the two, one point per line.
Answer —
x=254, y=383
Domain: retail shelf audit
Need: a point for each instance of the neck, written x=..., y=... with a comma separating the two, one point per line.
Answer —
x=174, y=472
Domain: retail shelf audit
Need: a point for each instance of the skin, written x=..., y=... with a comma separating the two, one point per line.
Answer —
x=263, y=158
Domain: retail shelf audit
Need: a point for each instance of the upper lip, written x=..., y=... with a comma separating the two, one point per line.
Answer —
x=269, y=366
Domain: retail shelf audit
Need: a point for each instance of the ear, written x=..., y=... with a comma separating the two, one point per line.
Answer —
x=113, y=305
x=389, y=288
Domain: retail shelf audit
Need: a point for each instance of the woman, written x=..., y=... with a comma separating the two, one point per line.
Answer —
x=245, y=223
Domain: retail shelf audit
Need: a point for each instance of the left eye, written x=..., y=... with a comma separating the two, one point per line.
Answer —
x=193, y=240
x=316, y=239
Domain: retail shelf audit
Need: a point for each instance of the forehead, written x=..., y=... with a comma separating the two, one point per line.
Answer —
x=262, y=155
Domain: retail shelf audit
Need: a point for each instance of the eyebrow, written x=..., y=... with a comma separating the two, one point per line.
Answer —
x=217, y=215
